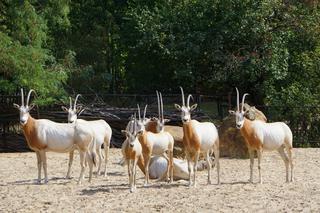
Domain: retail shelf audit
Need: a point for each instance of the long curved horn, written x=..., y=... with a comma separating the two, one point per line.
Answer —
x=134, y=123
x=158, y=98
x=238, y=106
x=145, y=112
x=139, y=112
x=70, y=101
x=182, y=93
x=22, y=97
x=75, y=102
x=162, y=117
x=242, y=104
x=28, y=97
x=188, y=100
x=81, y=111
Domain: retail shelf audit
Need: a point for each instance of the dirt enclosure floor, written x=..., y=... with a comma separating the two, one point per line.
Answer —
x=19, y=193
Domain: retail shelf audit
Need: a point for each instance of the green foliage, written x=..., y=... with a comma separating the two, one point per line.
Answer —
x=266, y=47
x=24, y=62
x=205, y=45
x=95, y=40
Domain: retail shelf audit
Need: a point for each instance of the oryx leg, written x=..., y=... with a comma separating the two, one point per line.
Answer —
x=82, y=165
x=216, y=152
x=44, y=164
x=251, y=155
x=39, y=162
x=99, y=152
x=168, y=166
x=135, y=173
x=90, y=162
x=196, y=158
x=208, y=166
x=106, y=154
x=189, y=168
x=131, y=175
x=70, y=164
x=259, y=153
x=171, y=165
x=147, y=162
x=285, y=160
x=289, y=150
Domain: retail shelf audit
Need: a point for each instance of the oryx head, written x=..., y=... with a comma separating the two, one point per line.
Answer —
x=160, y=121
x=239, y=114
x=131, y=134
x=142, y=121
x=24, y=109
x=73, y=111
x=185, y=109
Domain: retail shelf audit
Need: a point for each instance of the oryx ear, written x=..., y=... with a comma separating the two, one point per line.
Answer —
x=139, y=132
x=125, y=132
x=64, y=108
x=193, y=107
x=78, y=109
x=31, y=107
x=16, y=106
x=231, y=112
x=246, y=112
x=177, y=106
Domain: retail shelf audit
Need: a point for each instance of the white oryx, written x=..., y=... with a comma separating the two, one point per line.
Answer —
x=198, y=137
x=261, y=136
x=44, y=135
x=102, y=133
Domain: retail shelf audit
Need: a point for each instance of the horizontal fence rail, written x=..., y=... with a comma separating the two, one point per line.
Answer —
x=117, y=108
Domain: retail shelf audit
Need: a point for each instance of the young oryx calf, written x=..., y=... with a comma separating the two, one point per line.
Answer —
x=132, y=152
x=261, y=136
x=43, y=135
x=198, y=137
x=102, y=133
x=157, y=144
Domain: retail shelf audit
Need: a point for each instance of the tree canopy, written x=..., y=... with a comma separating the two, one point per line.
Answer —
x=269, y=48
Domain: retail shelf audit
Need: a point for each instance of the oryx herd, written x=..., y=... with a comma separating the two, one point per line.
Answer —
x=148, y=145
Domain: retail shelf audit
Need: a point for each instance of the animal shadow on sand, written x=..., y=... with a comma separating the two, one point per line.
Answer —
x=104, y=188
x=52, y=181
x=236, y=183
x=116, y=174
x=123, y=187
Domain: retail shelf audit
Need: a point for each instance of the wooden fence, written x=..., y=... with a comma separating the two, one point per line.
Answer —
x=117, y=108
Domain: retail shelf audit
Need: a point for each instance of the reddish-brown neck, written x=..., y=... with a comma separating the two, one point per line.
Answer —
x=190, y=139
x=31, y=133
x=249, y=135
x=29, y=128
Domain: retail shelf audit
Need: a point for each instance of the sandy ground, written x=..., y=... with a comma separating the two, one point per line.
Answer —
x=19, y=193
